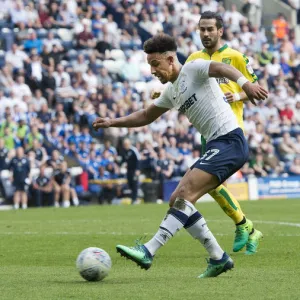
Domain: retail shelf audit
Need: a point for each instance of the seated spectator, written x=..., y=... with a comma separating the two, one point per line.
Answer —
x=258, y=166
x=273, y=126
x=55, y=160
x=63, y=186
x=10, y=139
x=22, y=130
x=33, y=43
x=85, y=39
x=34, y=134
x=287, y=112
x=18, y=13
x=40, y=152
x=20, y=88
x=61, y=74
x=38, y=100
x=272, y=163
x=295, y=166
x=287, y=147
x=20, y=168
x=16, y=58
x=80, y=65
x=43, y=189
x=75, y=135
x=8, y=123
x=265, y=57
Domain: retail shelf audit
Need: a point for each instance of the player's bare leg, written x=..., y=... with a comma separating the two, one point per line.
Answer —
x=17, y=200
x=57, y=191
x=66, y=195
x=182, y=213
x=24, y=199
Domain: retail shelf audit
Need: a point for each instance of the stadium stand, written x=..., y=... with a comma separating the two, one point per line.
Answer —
x=65, y=62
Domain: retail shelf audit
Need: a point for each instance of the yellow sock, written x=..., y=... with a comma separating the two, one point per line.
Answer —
x=228, y=203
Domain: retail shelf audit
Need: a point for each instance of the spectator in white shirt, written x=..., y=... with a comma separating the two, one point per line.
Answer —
x=50, y=41
x=246, y=35
x=234, y=17
x=38, y=100
x=61, y=74
x=211, y=5
x=273, y=68
x=20, y=88
x=18, y=14
x=16, y=57
x=91, y=79
x=4, y=102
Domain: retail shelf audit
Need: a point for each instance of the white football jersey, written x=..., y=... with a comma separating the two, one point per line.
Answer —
x=201, y=99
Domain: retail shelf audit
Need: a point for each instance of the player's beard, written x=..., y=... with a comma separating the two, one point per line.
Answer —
x=210, y=42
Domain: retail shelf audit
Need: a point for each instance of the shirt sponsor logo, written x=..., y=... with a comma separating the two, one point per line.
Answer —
x=188, y=103
x=222, y=80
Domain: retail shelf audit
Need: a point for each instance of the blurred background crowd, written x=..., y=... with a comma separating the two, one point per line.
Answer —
x=65, y=62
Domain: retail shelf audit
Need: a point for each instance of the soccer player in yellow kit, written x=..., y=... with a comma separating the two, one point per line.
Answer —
x=211, y=31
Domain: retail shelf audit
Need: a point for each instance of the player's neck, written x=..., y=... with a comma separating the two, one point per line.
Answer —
x=177, y=69
x=211, y=51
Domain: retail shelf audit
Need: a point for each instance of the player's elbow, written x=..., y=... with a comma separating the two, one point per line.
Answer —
x=216, y=69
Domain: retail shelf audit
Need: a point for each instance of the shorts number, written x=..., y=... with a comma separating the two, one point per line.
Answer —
x=209, y=154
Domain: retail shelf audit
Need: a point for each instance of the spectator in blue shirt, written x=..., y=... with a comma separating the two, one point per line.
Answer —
x=75, y=136
x=33, y=43
x=85, y=136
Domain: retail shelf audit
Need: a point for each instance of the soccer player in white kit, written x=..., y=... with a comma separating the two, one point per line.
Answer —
x=193, y=91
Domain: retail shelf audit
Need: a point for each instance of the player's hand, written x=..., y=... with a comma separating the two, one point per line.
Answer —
x=229, y=97
x=255, y=91
x=155, y=95
x=101, y=123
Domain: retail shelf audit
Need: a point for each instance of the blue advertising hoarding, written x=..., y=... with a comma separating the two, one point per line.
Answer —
x=282, y=187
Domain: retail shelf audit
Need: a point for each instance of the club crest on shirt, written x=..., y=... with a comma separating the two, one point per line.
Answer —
x=182, y=85
x=226, y=61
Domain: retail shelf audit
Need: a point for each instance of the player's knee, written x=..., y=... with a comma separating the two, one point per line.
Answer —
x=65, y=188
x=172, y=199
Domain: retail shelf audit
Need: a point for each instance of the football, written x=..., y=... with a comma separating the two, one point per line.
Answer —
x=93, y=264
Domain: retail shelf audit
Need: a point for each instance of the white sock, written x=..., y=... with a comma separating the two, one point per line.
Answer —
x=196, y=226
x=175, y=219
x=76, y=201
x=66, y=203
x=24, y=206
x=16, y=206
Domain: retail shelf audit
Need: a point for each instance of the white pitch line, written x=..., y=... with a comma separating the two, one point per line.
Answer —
x=278, y=223
x=36, y=233
x=262, y=222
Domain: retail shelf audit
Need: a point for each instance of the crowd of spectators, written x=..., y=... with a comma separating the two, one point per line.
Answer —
x=65, y=62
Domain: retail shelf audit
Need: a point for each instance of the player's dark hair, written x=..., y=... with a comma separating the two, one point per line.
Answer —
x=212, y=15
x=160, y=43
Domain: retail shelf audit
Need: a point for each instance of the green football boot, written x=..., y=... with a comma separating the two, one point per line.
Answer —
x=139, y=254
x=217, y=267
x=242, y=235
x=253, y=242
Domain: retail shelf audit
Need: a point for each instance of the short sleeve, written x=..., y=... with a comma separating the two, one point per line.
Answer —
x=243, y=65
x=199, y=68
x=164, y=99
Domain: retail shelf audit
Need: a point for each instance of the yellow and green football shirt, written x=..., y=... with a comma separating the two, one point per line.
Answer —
x=240, y=62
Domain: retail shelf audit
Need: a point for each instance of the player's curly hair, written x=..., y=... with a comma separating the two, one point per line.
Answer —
x=160, y=43
x=212, y=15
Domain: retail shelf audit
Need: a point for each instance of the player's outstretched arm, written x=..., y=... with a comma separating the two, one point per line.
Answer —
x=137, y=119
x=252, y=90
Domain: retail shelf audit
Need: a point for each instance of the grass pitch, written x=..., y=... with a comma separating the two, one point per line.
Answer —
x=38, y=249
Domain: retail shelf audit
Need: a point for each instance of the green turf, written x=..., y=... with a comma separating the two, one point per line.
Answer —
x=39, y=247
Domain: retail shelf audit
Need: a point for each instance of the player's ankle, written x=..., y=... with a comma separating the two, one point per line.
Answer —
x=244, y=220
